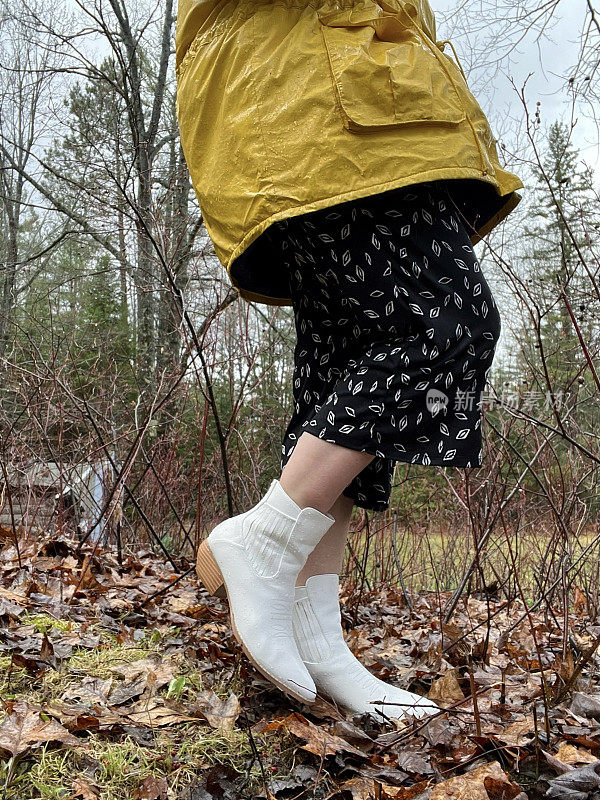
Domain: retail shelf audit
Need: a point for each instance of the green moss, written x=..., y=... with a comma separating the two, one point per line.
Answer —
x=118, y=765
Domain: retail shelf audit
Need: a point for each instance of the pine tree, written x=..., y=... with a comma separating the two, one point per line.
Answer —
x=561, y=240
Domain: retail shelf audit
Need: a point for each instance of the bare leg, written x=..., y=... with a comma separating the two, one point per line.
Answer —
x=328, y=555
x=318, y=471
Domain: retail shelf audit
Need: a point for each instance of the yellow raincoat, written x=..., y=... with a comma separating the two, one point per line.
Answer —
x=289, y=106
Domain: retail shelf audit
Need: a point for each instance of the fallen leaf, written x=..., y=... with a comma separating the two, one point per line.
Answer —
x=220, y=714
x=152, y=788
x=585, y=705
x=519, y=733
x=579, y=601
x=446, y=688
x=366, y=789
x=569, y=754
x=317, y=739
x=156, y=713
x=472, y=786
x=82, y=790
x=24, y=729
x=577, y=784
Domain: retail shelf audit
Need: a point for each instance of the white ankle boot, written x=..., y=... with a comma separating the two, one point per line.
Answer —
x=257, y=555
x=336, y=672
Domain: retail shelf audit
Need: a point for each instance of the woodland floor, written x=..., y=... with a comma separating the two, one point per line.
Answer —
x=123, y=682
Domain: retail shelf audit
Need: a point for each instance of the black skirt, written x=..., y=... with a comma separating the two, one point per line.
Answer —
x=396, y=332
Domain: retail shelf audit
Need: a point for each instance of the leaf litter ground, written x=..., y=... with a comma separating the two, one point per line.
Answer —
x=123, y=681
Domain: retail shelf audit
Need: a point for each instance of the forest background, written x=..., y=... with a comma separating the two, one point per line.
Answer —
x=122, y=341
x=141, y=403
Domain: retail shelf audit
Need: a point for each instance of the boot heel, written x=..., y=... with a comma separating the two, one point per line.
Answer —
x=208, y=571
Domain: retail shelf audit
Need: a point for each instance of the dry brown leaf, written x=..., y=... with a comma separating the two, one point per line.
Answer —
x=519, y=733
x=317, y=739
x=155, y=713
x=220, y=714
x=472, y=786
x=78, y=716
x=152, y=788
x=24, y=729
x=82, y=790
x=569, y=754
x=163, y=667
x=14, y=597
x=580, y=601
x=446, y=688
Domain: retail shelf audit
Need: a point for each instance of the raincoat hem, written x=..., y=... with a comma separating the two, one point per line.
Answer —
x=365, y=191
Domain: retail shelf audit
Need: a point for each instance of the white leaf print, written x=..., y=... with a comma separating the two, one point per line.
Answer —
x=346, y=428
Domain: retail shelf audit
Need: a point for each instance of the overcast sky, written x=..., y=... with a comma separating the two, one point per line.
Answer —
x=550, y=59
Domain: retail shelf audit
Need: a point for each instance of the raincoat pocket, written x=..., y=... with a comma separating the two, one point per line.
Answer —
x=386, y=72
